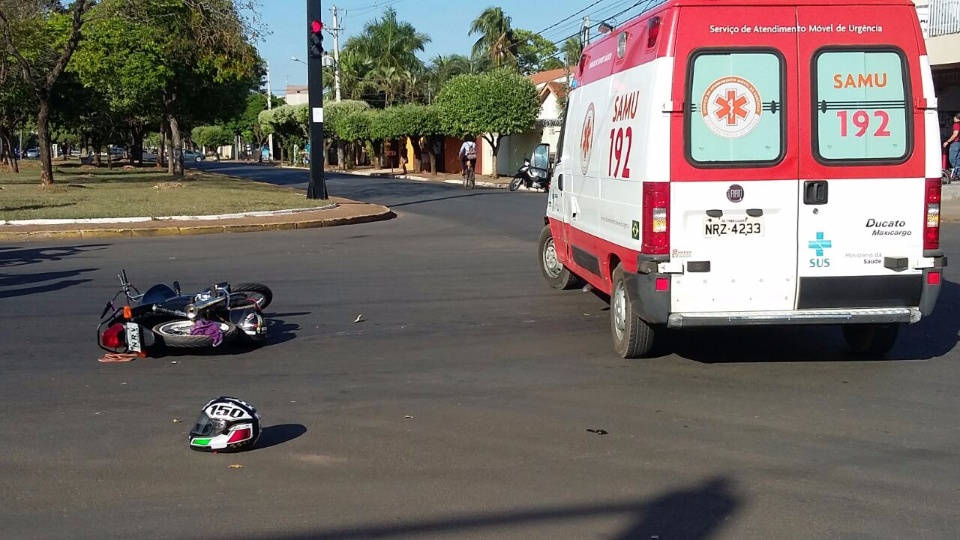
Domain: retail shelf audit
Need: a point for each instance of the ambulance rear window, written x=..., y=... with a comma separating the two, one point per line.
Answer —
x=860, y=106
x=735, y=117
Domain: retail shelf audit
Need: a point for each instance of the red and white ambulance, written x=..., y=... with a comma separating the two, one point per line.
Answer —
x=752, y=162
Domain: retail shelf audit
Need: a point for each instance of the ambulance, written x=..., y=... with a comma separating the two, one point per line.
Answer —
x=751, y=162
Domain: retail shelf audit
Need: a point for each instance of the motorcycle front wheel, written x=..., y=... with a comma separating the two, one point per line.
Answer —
x=243, y=293
x=515, y=183
x=177, y=334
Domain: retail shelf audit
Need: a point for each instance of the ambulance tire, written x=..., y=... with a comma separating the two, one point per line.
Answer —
x=872, y=340
x=632, y=337
x=552, y=270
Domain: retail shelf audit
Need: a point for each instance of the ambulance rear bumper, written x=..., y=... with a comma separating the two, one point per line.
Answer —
x=795, y=317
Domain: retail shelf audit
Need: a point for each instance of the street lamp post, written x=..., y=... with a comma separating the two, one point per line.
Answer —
x=269, y=107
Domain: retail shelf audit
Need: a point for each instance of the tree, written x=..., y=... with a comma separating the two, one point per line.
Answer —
x=16, y=105
x=535, y=53
x=289, y=124
x=195, y=57
x=211, y=137
x=382, y=60
x=496, y=37
x=340, y=129
x=42, y=38
x=419, y=124
x=494, y=105
x=572, y=49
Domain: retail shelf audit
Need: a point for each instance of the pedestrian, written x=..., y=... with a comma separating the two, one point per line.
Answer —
x=953, y=146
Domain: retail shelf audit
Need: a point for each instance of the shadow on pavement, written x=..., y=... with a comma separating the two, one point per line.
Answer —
x=696, y=513
x=57, y=281
x=17, y=256
x=281, y=331
x=279, y=434
x=932, y=337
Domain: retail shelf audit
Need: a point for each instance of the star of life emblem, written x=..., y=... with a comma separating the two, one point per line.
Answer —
x=586, y=139
x=731, y=107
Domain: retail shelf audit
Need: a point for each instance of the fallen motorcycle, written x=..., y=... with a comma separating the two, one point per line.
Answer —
x=165, y=316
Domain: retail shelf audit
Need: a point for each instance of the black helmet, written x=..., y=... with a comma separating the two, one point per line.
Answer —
x=225, y=424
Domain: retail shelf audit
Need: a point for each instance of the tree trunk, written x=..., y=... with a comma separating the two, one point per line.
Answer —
x=416, y=143
x=434, y=143
x=176, y=152
x=136, y=131
x=494, y=141
x=43, y=134
x=162, y=151
x=341, y=156
x=97, y=150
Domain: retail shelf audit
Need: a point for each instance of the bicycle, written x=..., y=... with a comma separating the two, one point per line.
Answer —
x=469, y=176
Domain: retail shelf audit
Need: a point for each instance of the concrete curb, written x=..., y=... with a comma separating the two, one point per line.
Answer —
x=194, y=230
x=416, y=178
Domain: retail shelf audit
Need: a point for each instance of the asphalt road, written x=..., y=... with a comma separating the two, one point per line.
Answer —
x=460, y=406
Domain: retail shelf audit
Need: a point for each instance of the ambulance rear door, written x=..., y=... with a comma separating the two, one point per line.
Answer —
x=733, y=208
x=862, y=195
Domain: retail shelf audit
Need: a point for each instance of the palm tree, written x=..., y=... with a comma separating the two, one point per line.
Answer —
x=496, y=37
x=572, y=49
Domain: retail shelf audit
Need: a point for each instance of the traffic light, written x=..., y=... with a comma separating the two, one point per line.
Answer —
x=316, y=39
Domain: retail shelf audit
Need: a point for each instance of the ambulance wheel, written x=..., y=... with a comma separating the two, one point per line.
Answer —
x=632, y=337
x=871, y=339
x=552, y=269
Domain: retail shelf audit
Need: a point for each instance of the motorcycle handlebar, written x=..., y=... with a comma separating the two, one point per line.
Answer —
x=174, y=312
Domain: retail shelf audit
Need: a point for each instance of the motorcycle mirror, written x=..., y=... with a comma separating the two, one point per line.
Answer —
x=176, y=287
x=106, y=309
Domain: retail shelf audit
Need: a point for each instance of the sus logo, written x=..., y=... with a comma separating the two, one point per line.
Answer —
x=586, y=139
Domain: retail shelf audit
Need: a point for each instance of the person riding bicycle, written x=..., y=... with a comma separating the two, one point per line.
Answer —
x=468, y=152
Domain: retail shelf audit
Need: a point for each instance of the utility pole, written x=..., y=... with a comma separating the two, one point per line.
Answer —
x=269, y=107
x=317, y=188
x=586, y=30
x=336, y=54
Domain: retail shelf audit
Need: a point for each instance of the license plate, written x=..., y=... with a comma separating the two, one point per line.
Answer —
x=133, y=337
x=733, y=226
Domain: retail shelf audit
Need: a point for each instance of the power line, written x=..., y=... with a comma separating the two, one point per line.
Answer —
x=647, y=4
x=603, y=14
x=554, y=25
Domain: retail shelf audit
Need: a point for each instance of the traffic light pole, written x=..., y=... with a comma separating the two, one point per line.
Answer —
x=317, y=188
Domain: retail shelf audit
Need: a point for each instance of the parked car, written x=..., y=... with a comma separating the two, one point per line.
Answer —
x=190, y=155
x=32, y=153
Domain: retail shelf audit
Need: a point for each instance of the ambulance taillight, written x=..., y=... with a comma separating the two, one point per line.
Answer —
x=656, y=216
x=931, y=225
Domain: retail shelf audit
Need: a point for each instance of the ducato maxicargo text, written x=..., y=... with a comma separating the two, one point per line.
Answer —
x=719, y=161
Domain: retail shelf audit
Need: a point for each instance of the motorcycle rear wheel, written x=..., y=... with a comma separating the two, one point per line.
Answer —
x=515, y=183
x=177, y=334
x=242, y=292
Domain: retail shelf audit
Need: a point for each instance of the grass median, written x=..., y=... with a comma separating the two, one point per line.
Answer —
x=86, y=191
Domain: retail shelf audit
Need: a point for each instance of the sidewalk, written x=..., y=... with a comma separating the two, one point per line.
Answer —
x=342, y=212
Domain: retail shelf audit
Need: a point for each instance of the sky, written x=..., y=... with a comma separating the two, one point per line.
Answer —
x=447, y=22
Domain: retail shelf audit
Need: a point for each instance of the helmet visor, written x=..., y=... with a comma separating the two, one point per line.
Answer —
x=208, y=427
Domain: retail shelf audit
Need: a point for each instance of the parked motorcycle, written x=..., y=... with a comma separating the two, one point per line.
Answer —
x=529, y=178
x=165, y=316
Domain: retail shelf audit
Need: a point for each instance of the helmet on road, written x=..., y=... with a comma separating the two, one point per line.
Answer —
x=227, y=424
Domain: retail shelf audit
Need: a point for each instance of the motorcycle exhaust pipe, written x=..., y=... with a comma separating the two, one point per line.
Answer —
x=193, y=310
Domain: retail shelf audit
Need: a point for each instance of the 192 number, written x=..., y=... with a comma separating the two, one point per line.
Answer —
x=618, y=152
x=861, y=121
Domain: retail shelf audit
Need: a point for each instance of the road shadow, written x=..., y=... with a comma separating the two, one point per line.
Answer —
x=20, y=256
x=694, y=513
x=51, y=281
x=932, y=337
x=279, y=434
x=279, y=329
